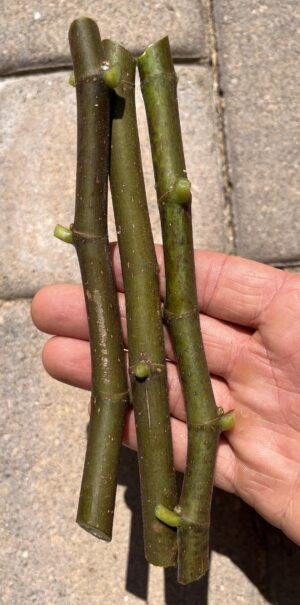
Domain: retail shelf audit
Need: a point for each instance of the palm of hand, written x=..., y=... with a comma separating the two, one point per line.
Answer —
x=251, y=330
x=262, y=374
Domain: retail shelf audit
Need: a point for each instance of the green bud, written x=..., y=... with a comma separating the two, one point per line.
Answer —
x=112, y=76
x=64, y=234
x=72, y=80
x=227, y=421
x=167, y=516
x=141, y=370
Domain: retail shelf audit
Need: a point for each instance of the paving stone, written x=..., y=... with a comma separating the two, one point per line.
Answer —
x=267, y=560
x=292, y=269
x=34, y=35
x=258, y=49
x=45, y=557
x=38, y=149
x=243, y=592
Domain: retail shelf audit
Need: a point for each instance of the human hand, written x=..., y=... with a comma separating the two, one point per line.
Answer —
x=250, y=320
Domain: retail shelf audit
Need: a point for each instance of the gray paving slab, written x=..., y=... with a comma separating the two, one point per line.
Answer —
x=35, y=35
x=293, y=269
x=267, y=559
x=45, y=558
x=38, y=156
x=258, y=51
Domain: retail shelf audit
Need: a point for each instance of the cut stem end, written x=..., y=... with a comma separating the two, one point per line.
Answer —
x=95, y=531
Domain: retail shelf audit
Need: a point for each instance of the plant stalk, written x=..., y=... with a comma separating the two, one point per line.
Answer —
x=144, y=323
x=159, y=84
x=89, y=235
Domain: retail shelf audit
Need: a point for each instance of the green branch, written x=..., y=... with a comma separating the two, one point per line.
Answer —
x=89, y=236
x=144, y=326
x=159, y=83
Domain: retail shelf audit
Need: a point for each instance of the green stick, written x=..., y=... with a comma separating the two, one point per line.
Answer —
x=144, y=323
x=159, y=84
x=89, y=236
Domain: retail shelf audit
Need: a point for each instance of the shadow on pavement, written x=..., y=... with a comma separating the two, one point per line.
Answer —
x=265, y=556
x=269, y=559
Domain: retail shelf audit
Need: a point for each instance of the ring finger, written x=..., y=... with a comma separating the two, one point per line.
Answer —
x=68, y=360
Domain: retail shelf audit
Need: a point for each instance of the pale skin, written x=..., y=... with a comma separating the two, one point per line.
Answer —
x=250, y=319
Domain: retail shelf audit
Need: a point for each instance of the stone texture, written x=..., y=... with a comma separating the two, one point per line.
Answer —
x=35, y=34
x=38, y=150
x=292, y=269
x=242, y=592
x=46, y=558
x=258, y=50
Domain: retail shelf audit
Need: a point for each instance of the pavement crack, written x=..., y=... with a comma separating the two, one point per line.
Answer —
x=219, y=122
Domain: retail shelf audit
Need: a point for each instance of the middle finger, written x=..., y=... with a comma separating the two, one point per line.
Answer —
x=66, y=316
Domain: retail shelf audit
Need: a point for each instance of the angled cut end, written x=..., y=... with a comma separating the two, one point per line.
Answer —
x=95, y=531
x=120, y=58
x=156, y=59
x=193, y=553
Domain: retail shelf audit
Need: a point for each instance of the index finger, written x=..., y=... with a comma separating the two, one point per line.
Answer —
x=230, y=288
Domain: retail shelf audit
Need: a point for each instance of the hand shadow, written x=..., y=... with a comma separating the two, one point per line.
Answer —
x=269, y=559
x=264, y=554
